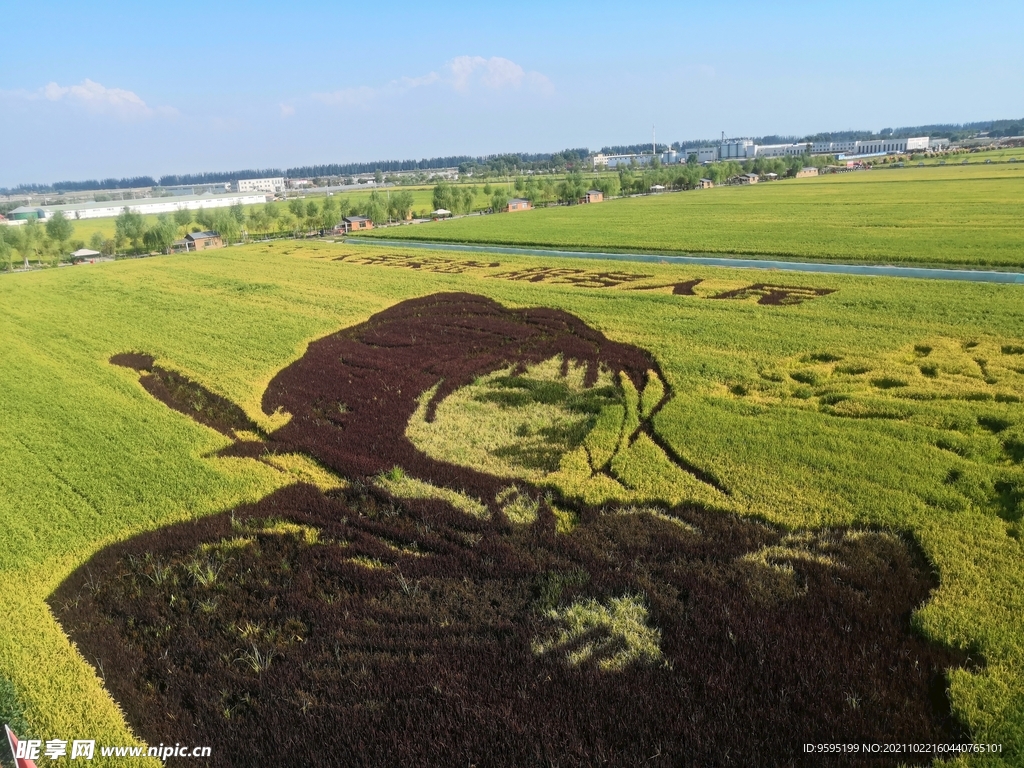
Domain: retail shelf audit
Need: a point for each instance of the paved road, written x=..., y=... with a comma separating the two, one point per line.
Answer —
x=969, y=275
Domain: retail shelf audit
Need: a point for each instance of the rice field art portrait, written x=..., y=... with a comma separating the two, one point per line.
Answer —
x=488, y=556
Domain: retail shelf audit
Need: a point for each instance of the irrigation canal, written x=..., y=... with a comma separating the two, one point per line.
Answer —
x=871, y=270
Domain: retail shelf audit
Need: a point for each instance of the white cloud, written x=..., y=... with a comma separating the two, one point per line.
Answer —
x=535, y=81
x=287, y=110
x=462, y=74
x=349, y=97
x=418, y=82
x=494, y=73
x=97, y=98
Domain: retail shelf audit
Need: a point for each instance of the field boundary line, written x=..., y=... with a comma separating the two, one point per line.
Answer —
x=864, y=270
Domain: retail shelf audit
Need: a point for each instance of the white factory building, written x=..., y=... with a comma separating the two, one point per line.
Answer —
x=152, y=205
x=873, y=146
x=270, y=186
x=669, y=157
x=745, y=149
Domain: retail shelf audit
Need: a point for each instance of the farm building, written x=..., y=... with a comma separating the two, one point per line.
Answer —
x=150, y=205
x=808, y=171
x=355, y=223
x=751, y=178
x=705, y=184
x=85, y=253
x=519, y=204
x=593, y=196
x=202, y=241
x=26, y=212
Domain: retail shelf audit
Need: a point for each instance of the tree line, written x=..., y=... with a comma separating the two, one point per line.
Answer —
x=43, y=243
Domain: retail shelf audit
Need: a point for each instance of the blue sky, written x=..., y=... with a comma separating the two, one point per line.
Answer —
x=93, y=90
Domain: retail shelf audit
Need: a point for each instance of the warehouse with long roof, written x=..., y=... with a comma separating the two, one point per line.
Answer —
x=145, y=206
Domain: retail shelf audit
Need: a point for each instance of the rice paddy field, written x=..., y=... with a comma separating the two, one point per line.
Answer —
x=952, y=215
x=337, y=504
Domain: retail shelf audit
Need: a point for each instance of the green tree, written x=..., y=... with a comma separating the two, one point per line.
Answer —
x=161, y=235
x=286, y=222
x=258, y=219
x=488, y=190
x=31, y=241
x=227, y=226
x=463, y=199
x=499, y=201
x=444, y=196
x=205, y=219
x=312, y=216
x=609, y=185
x=273, y=213
x=130, y=226
x=6, y=251
x=60, y=230
x=238, y=211
x=297, y=208
x=96, y=241
x=378, y=177
x=547, y=190
x=572, y=188
x=377, y=208
x=400, y=205
x=16, y=241
x=329, y=216
x=183, y=217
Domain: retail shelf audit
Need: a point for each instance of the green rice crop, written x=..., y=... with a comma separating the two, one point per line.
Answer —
x=824, y=413
x=951, y=215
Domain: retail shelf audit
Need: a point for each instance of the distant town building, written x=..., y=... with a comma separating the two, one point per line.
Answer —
x=519, y=204
x=270, y=186
x=593, y=196
x=810, y=170
x=356, y=223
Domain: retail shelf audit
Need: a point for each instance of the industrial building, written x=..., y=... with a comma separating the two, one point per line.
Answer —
x=872, y=146
x=145, y=206
x=26, y=212
x=270, y=186
x=746, y=149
